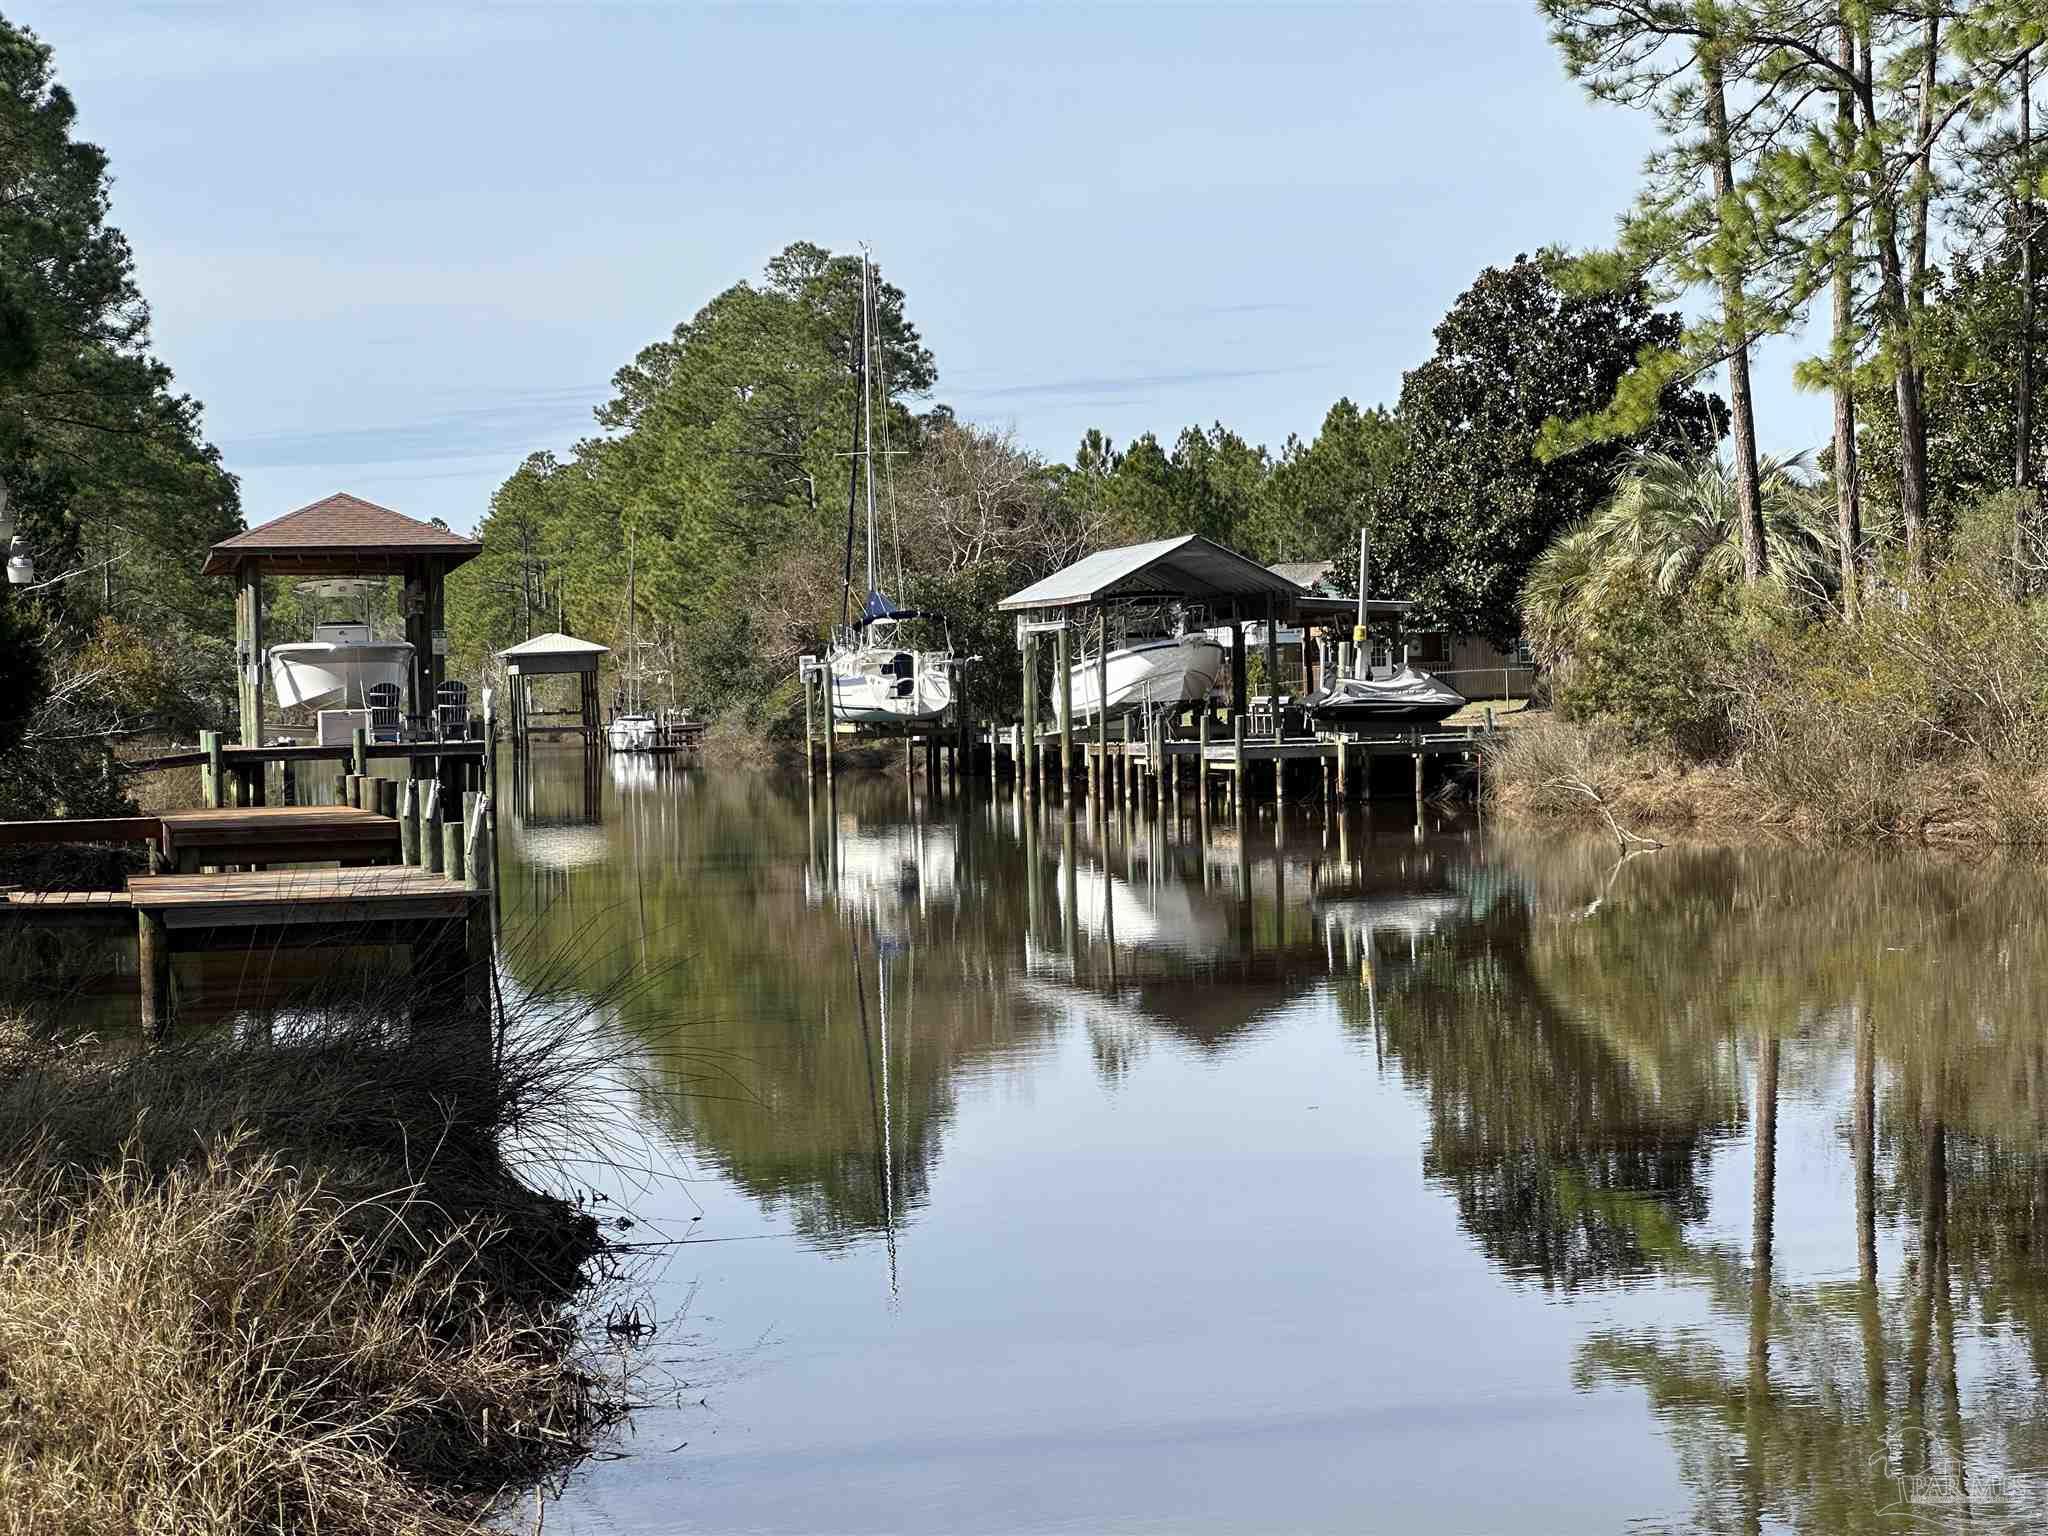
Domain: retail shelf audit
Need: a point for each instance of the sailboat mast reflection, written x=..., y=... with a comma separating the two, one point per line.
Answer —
x=879, y=1106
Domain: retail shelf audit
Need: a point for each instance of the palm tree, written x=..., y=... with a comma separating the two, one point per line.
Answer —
x=1672, y=524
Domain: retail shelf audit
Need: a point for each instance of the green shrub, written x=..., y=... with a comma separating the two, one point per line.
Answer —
x=1654, y=667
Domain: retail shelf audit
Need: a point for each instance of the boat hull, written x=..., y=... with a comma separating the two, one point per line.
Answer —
x=1408, y=697
x=1151, y=673
x=631, y=733
x=316, y=673
x=884, y=686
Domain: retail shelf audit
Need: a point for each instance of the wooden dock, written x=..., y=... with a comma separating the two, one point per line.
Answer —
x=1161, y=763
x=410, y=881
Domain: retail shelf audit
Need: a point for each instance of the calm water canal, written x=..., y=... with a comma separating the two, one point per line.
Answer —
x=1312, y=1178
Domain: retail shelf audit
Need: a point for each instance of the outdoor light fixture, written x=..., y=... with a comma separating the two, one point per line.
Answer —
x=21, y=567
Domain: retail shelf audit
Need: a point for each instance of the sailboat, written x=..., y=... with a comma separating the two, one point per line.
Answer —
x=634, y=729
x=876, y=680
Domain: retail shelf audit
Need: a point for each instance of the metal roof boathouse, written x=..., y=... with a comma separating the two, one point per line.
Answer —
x=344, y=536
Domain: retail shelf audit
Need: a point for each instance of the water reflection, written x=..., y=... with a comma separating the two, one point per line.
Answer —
x=1757, y=1135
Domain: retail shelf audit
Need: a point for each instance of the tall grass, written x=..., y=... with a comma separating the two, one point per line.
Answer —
x=292, y=1275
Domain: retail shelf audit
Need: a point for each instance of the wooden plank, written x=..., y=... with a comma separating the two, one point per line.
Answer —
x=310, y=886
x=65, y=899
x=298, y=910
x=193, y=757
x=97, y=829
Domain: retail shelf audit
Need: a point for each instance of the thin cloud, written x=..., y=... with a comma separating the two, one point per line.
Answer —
x=1131, y=386
x=518, y=423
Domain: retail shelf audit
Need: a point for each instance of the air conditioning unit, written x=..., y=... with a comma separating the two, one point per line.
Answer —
x=338, y=727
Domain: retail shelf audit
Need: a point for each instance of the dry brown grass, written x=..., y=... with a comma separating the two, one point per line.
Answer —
x=1549, y=767
x=284, y=1285
x=234, y=1347
x=1561, y=770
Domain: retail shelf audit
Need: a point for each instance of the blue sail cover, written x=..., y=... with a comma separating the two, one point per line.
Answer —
x=879, y=607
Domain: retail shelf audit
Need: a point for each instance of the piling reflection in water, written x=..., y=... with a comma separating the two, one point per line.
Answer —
x=1610, y=1066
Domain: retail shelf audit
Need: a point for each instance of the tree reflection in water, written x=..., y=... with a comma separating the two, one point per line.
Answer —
x=1587, y=1044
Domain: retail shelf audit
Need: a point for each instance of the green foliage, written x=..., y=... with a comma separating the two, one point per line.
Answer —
x=115, y=490
x=1672, y=526
x=1213, y=483
x=1969, y=353
x=1653, y=664
x=103, y=462
x=726, y=451
x=1473, y=505
x=1324, y=489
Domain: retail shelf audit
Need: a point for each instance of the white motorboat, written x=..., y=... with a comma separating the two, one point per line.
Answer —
x=340, y=664
x=1150, y=671
x=632, y=733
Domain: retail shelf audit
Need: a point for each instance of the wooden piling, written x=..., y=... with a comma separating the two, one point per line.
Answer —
x=830, y=727
x=452, y=834
x=1202, y=751
x=212, y=777
x=963, y=743
x=1343, y=768
x=810, y=736
x=1159, y=763
x=359, y=751
x=477, y=872
x=1027, y=764
x=1237, y=759
x=1062, y=659
x=409, y=825
x=1418, y=783
x=1102, y=702
x=432, y=856
x=153, y=966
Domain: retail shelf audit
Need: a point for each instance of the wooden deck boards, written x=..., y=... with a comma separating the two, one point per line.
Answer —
x=299, y=896
x=98, y=829
x=281, y=834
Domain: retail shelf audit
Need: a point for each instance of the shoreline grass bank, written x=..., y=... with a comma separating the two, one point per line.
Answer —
x=286, y=1284
x=1589, y=774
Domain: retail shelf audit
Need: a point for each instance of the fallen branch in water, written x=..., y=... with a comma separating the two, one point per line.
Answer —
x=1572, y=784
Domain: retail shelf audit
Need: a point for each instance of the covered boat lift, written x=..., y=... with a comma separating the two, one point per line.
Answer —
x=1234, y=589
x=553, y=655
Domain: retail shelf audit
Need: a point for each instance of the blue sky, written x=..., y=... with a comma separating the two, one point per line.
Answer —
x=394, y=249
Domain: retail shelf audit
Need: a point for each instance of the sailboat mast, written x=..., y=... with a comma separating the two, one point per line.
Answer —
x=632, y=632
x=867, y=415
x=853, y=462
